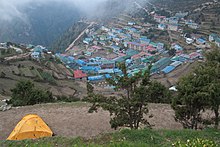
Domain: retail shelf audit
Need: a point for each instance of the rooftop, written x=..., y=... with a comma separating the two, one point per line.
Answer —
x=78, y=74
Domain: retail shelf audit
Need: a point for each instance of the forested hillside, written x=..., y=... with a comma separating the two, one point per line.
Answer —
x=179, y=5
x=68, y=37
x=42, y=25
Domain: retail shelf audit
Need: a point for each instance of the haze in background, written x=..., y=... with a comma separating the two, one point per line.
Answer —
x=10, y=9
x=41, y=21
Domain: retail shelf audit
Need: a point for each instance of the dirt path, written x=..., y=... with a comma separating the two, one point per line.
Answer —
x=73, y=43
x=72, y=120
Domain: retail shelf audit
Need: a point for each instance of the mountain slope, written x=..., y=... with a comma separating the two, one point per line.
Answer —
x=43, y=24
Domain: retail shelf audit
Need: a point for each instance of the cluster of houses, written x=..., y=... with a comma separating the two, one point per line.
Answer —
x=4, y=47
x=132, y=48
x=136, y=51
x=121, y=39
x=38, y=51
x=195, y=38
x=174, y=23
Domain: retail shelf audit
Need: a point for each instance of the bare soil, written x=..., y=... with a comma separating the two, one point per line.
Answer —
x=72, y=120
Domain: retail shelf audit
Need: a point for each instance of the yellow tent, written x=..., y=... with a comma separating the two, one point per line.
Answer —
x=30, y=127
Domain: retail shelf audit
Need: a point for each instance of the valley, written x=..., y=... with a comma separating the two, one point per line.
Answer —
x=153, y=63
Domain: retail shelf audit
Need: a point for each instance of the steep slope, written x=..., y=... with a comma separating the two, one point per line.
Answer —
x=49, y=75
x=68, y=37
x=179, y=5
x=42, y=25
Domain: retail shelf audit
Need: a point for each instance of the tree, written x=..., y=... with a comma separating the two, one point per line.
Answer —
x=212, y=70
x=159, y=93
x=25, y=93
x=127, y=110
x=90, y=88
x=191, y=101
x=199, y=91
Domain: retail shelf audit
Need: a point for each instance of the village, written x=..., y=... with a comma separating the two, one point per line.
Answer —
x=127, y=40
x=164, y=44
x=143, y=75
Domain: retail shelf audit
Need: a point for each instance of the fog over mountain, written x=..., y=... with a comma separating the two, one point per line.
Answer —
x=10, y=9
x=41, y=21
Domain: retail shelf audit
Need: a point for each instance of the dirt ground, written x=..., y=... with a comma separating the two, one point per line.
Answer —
x=72, y=120
x=173, y=77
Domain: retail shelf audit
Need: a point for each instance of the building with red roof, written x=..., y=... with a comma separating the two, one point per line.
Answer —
x=151, y=49
x=78, y=74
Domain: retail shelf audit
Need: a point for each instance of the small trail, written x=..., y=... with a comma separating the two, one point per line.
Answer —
x=73, y=43
x=142, y=7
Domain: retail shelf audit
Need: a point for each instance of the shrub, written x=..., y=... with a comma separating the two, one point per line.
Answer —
x=2, y=75
x=195, y=143
x=25, y=93
x=67, y=99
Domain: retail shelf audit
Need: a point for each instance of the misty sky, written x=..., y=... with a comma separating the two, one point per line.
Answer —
x=11, y=9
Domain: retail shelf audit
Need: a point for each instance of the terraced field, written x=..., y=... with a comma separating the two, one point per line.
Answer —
x=53, y=78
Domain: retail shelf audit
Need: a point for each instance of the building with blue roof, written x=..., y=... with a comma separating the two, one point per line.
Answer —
x=89, y=69
x=121, y=59
x=179, y=58
x=131, y=23
x=160, y=64
x=145, y=41
x=177, y=47
x=131, y=52
x=176, y=63
x=35, y=55
x=87, y=40
x=181, y=14
x=117, y=70
x=40, y=49
x=217, y=41
x=168, y=69
x=108, y=76
x=213, y=37
x=162, y=26
x=81, y=62
x=201, y=41
x=94, y=64
x=96, y=78
x=106, y=71
x=132, y=30
x=115, y=48
x=160, y=46
x=173, y=20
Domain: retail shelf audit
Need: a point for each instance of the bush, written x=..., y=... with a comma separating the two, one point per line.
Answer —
x=67, y=99
x=25, y=93
x=2, y=75
x=195, y=143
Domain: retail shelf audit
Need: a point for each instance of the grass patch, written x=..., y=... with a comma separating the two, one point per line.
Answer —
x=124, y=138
x=47, y=77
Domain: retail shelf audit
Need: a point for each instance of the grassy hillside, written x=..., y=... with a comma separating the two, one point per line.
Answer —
x=179, y=5
x=124, y=138
x=50, y=75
